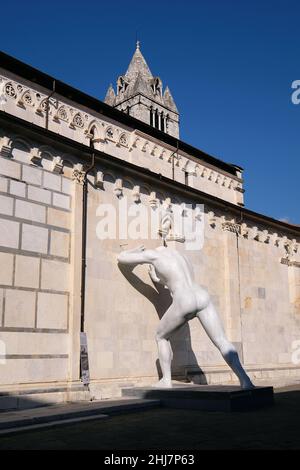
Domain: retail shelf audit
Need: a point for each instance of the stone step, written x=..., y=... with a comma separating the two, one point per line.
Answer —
x=36, y=397
x=66, y=413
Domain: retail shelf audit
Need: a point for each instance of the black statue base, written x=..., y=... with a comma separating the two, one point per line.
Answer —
x=206, y=397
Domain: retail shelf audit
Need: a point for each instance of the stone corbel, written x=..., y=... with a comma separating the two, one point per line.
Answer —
x=5, y=147
x=162, y=154
x=99, y=179
x=57, y=165
x=193, y=172
x=144, y=148
x=282, y=241
x=168, y=204
x=134, y=140
x=136, y=195
x=253, y=233
x=118, y=189
x=42, y=107
x=153, y=201
x=264, y=236
x=204, y=172
x=244, y=230
x=154, y=150
x=178, y=158
x=212, y=220
x=171, y=157
x=218, y=178
x=273, y=239
x=199, y=214
x=35, y=156
x=183, y=208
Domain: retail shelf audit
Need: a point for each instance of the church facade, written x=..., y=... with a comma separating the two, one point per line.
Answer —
x=79, y=180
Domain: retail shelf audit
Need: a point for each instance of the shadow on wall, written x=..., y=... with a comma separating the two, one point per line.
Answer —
x=181, y=340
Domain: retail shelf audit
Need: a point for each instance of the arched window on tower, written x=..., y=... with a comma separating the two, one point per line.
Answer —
x=151, y=116
x=162, y=122
x=156, y=124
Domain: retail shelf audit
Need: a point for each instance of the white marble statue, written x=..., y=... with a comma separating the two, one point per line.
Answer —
x=173, y=270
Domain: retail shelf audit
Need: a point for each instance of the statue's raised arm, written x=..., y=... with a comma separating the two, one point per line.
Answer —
x=137, y=255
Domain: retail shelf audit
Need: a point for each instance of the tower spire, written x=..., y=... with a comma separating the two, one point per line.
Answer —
x=141, y=95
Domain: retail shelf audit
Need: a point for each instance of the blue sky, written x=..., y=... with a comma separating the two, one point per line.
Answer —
x=229, y=65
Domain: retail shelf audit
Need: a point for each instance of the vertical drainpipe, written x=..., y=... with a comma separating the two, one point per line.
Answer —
x=239, y=285
x=83, y=339
x=84, y=236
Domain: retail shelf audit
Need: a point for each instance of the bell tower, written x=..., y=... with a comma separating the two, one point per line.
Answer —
x=141, y=95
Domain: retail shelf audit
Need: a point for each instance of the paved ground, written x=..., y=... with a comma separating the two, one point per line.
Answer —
x=273, y=428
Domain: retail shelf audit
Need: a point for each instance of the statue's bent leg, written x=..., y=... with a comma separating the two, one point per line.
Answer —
x=169, y=323
x=213, y=327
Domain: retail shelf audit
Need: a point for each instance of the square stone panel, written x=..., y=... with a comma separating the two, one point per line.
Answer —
x=9, y=233
x=52, y=311
x=34, y=238
x=19, y=308
x=55, y=275
x=27, y=271
x=59, y=245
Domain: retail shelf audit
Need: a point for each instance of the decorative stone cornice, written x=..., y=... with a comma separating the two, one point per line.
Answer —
x=62, y=116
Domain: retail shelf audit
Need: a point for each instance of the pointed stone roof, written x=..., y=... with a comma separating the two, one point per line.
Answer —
x=169, y=101
x=138, y=79
x=110, y=97
x=138, y=65
x=140, y=85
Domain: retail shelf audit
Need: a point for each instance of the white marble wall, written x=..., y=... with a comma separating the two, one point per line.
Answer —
x=35, y=210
